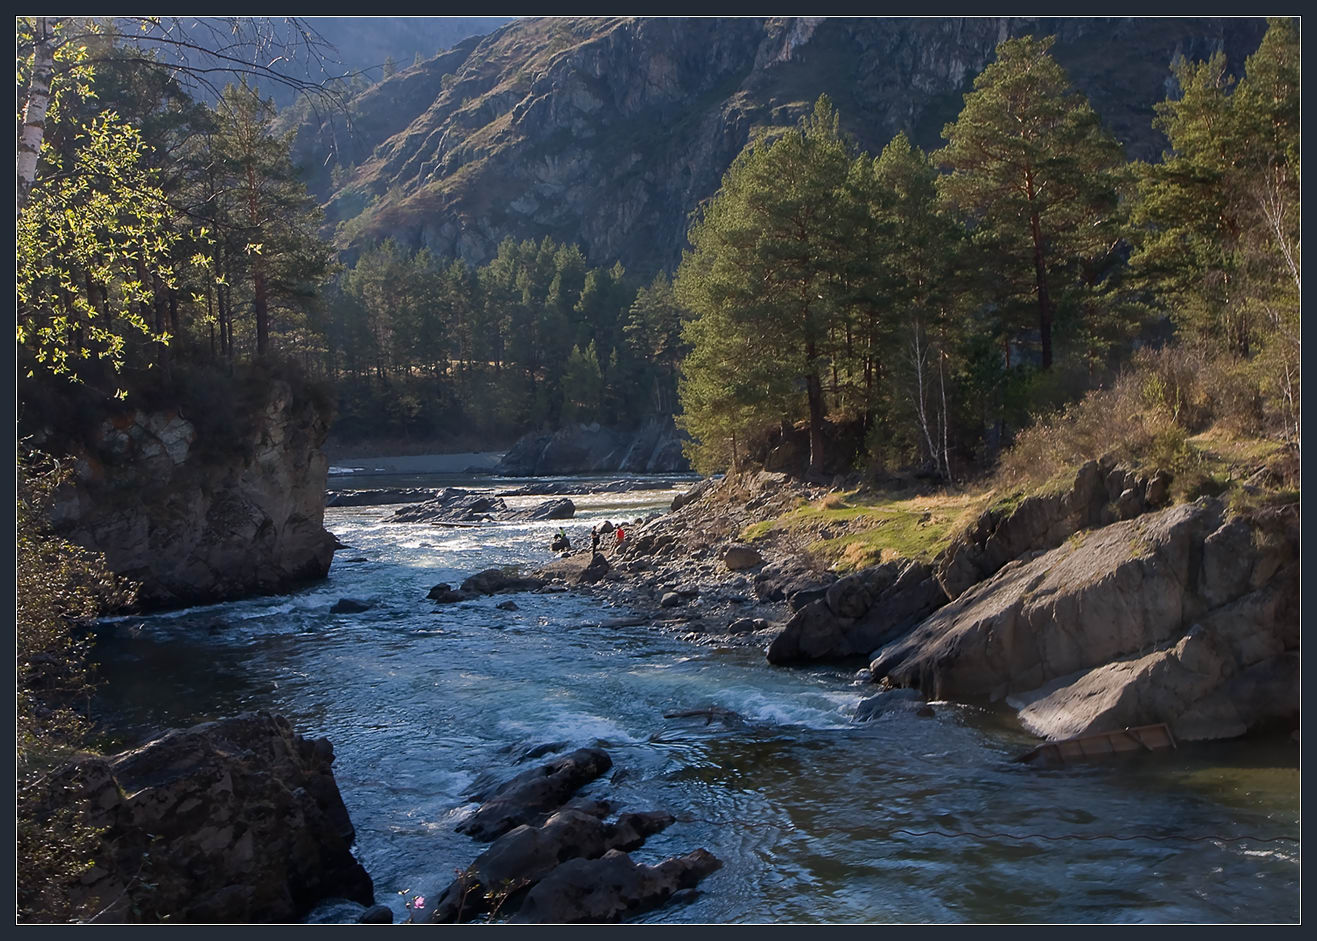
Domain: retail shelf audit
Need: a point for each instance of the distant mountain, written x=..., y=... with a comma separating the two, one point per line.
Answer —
x=610, y=131
x=338, y=45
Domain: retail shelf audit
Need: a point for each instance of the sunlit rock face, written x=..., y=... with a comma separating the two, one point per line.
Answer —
x=610, y=131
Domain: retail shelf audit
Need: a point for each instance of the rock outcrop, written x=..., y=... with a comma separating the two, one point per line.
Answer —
x=238, y=820
x=200, y=521
x=1102, y=492
x=611, y=888
x=381, y=497
x=455, y=505
x=859, y=612
x=1184, y=616
x=654, y=448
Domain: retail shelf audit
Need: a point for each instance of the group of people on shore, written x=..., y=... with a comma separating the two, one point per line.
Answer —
x=562, y=544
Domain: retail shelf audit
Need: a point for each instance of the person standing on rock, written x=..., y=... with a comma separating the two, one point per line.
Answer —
x=620, y=536
x=594, y=541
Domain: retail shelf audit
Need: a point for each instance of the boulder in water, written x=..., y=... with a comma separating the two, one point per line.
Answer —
x=524, y=855
x=532, y=794
x=351, y=606
x=611, y=888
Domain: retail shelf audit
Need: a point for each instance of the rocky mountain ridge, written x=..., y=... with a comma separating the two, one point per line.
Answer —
x=609, y=131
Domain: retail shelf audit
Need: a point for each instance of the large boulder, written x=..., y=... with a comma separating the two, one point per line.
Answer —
x=777, y=581
x=559, y=509
x=238, y=820
x=737, y=557
x=1164, y=618
x=611, y=888
x=524, y=855
x=499, y=581
x=531, y=795
x=859, y=612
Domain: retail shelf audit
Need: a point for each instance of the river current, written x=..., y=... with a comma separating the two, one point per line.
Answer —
x=815, y=817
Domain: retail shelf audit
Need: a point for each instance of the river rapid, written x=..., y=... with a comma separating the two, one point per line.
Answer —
x=816, y=818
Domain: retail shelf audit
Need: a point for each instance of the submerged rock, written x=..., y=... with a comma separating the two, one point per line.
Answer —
x=376, y=915
x=351, y=606
x=908, y=701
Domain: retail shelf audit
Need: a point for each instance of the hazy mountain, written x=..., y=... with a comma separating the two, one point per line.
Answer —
x=610, y=131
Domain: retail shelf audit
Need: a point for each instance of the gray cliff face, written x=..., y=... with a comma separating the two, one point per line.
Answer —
x=196, y=524
x=610, y=131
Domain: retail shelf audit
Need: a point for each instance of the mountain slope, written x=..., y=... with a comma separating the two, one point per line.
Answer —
x=610, y=131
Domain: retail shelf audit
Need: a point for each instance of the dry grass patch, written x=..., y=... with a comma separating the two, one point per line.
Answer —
x=860, y=529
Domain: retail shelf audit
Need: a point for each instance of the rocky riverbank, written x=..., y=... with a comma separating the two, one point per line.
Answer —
x=1089, y=607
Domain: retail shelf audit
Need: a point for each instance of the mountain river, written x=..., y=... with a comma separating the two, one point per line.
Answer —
x=815, y=817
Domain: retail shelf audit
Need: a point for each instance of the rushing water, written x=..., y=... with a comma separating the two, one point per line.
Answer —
x=816, y=819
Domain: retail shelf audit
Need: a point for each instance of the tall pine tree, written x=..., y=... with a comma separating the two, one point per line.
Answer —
x=1036, y=174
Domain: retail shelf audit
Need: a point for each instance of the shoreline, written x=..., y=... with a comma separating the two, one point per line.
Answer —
x=348, y=468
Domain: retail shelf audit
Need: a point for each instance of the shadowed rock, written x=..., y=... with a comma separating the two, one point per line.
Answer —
x=377, y=497
x=532, y=794
x=858, y=613
x=524, y=855
x=497, y=581
x=238, y=820
x=611, y=888
x=351, y=606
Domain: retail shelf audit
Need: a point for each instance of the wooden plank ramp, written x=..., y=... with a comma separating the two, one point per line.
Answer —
x=1101, y=744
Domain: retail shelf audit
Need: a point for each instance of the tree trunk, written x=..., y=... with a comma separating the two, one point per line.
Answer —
x=260, y=306
x=1040, y=278
x=814, y=389
x=34, y=113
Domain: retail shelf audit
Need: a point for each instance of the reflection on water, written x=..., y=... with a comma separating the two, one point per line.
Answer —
x=904, y=819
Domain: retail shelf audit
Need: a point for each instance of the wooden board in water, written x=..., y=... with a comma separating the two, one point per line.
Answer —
x=1099, y=744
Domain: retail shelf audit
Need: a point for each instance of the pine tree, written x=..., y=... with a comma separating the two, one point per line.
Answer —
x=1036, y=174
x=766, y=284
